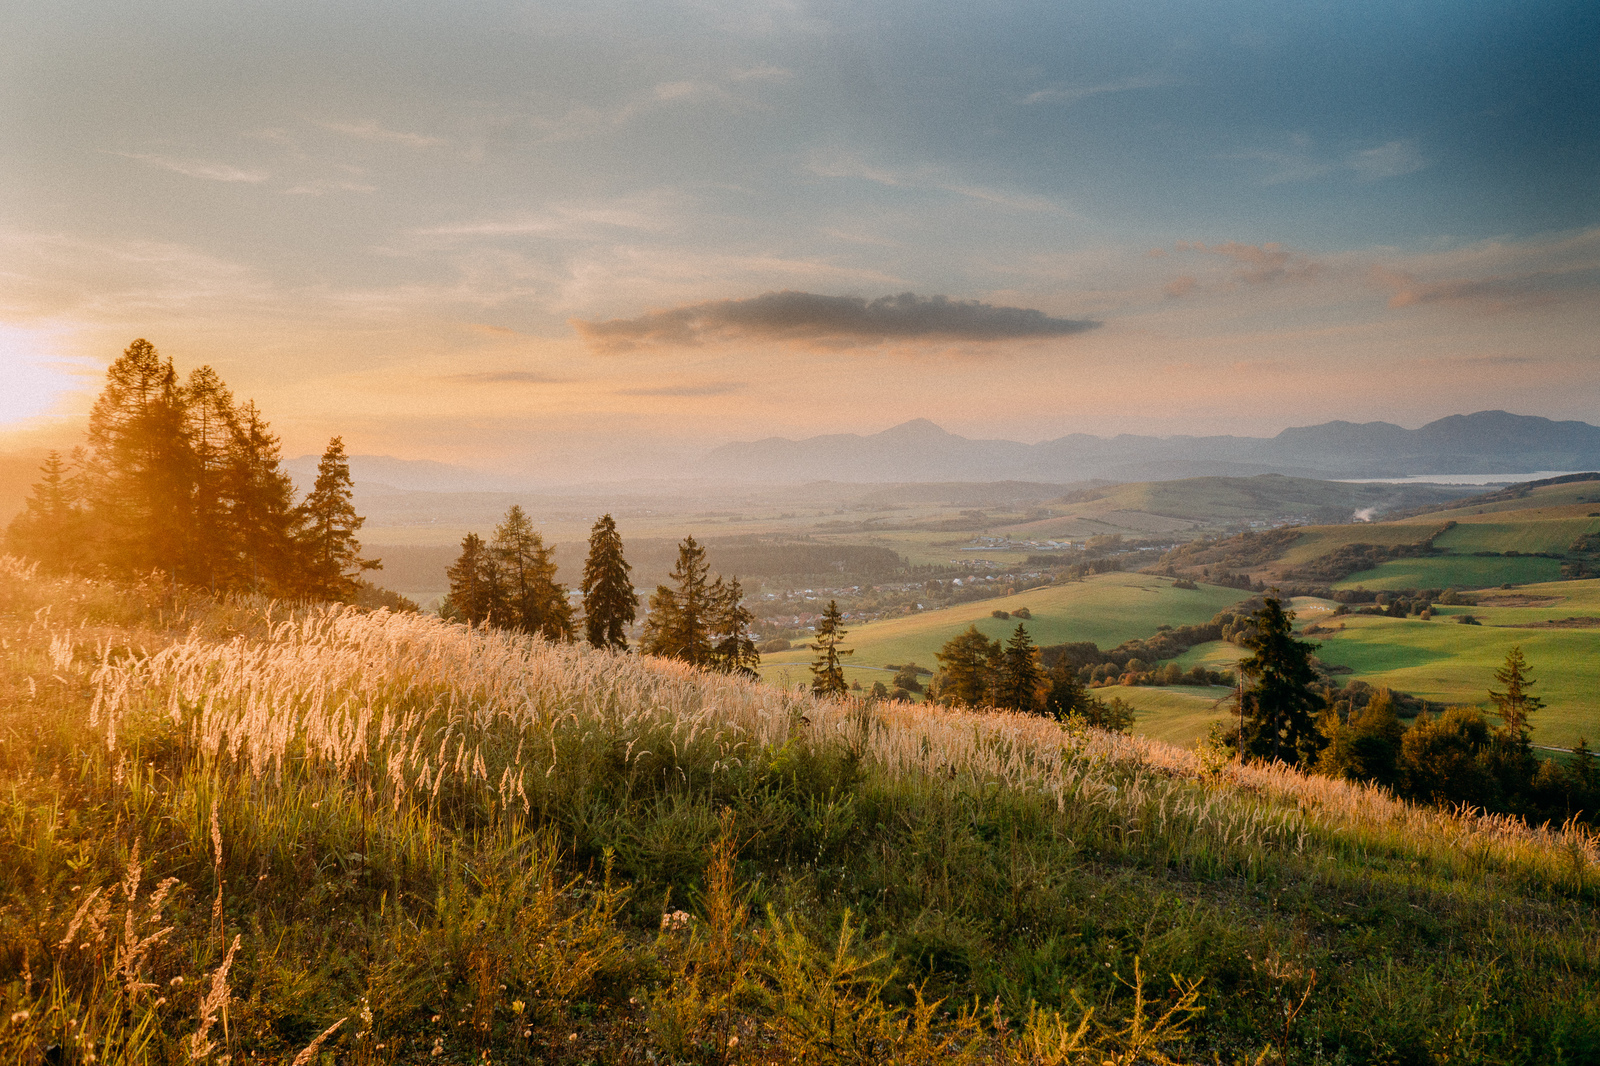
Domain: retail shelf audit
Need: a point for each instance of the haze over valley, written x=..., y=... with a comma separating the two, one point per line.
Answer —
x=800, y=532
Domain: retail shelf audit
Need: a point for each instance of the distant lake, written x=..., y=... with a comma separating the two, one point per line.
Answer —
x=1460, y=479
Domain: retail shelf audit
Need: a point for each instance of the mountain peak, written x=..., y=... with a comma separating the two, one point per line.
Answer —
x=1486, y=442
x=916, y=429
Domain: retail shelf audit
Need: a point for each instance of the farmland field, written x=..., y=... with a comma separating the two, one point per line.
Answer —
x=1453, y=571
x=1536, y=531
x=1449, y=663
x=1175, y=714
x=1106, y=608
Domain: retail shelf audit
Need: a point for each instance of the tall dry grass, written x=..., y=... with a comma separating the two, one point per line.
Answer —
x=425, y=712
x=388, y=809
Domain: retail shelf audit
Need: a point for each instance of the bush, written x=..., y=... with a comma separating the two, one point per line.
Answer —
x=1439, y=759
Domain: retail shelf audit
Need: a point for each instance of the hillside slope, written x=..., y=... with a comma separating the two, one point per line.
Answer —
x=230, y=829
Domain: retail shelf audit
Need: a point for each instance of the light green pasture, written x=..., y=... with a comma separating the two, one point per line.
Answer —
x=1105, y=608
x=1453, y=571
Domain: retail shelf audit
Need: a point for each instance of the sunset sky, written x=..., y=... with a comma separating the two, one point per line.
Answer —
x=598, y=238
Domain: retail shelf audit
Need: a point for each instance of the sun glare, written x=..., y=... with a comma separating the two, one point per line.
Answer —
x=36, y=378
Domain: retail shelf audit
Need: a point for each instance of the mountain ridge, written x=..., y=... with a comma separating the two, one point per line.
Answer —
x=1485, y=442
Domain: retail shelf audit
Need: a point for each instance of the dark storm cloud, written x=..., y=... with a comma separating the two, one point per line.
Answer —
x=835, y=321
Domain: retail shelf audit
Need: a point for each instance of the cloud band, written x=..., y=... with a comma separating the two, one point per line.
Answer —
x=836, y=321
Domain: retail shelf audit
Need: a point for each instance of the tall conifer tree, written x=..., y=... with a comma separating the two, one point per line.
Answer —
x=535, y=601
x=1281, y=706
x=679, y=623
x=1514, y=705
x=333, y=554
x=263, y=519
x=827, y=674
x=52, y=526
x=733, y=650
x=1064, y=694
x=515, y=550
x=210, y=426
x=968, y=665
x=1021, y=678
x=609, y=601
x=141, y=468
x=474, y=585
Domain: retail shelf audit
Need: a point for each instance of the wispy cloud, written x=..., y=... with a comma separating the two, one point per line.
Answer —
x=1259, y=264
x=504, y=377
x=1492, y=293
x=321, y=188
x=372, y=131
x=846, y=166
x=197, y=168
x=1496, y=276
x=1301, y=161
x=835, y=321
x=1388, y=160
x=650, y=211
x=1071, y=94
x=713, y=388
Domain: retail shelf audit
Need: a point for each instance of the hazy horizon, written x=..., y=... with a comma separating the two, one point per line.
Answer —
x=599, y=240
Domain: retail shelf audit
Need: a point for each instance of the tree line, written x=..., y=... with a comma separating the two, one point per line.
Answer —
x=975, y=671
x=1286, y=713
x=510, y=583
x=177, y=477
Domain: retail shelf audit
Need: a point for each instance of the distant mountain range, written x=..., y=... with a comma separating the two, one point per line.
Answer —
x=1489, y=442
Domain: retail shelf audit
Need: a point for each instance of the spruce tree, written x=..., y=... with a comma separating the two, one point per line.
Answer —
x=733, y=650
x=210, y=426
x=474, y=585
x=332, y=554
x=264, y=522
x=968, y=663
x=51, y=528
x=518, y=555
x=679, y=623
x=1514, y=705
x=609, y=601
x=1064, y=694
x=1021, y=677
x=140, y=472
x=827, y=675
x=1282, y=703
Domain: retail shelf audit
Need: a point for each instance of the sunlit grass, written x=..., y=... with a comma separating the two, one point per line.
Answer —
x=431, y=837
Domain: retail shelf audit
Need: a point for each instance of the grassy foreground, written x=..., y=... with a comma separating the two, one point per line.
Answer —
x=234, y=831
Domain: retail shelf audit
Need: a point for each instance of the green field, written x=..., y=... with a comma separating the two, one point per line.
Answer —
x=1439, y=660
x=1534, y=532
x=1215, y=655
x=1453, y=571
x=1177, y=714
x=1449, y=663
x=1106, y=608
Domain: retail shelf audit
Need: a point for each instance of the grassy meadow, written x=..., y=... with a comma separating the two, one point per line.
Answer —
x=1452, y=571
x=1454, y=664
x=1104, y=608
x=1181, y=715
x=238, y=832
